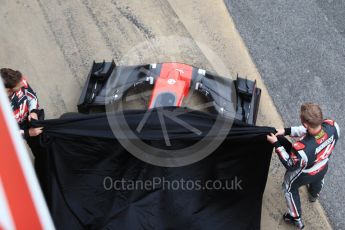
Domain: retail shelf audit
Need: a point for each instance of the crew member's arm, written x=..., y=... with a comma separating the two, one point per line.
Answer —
x=293, y=160
x=32, y=98
x=294, y=131
x=337, y=128
x=33, y=110
x=333, y=124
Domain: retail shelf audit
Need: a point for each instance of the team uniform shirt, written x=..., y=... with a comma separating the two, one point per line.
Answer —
x=24, y=102
x=311, y=153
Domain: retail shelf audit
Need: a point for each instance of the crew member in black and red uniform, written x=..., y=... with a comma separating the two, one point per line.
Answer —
x=23, y=100
x=25, y=107
x=307, y=160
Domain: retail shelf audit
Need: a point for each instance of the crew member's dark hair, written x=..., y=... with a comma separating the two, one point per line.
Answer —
x=10, y=77
x=311, y=114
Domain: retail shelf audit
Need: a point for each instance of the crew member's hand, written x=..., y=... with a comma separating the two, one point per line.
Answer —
x=35, y=131
x=272, y=138
x=33, y=116
x=280, y=132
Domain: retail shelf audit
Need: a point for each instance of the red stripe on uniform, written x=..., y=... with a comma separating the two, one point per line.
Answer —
x=317, y=171
x=280, y=153
x=295, y=213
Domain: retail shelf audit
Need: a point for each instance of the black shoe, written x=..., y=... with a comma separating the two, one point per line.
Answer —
x=311, y=197
x=295, y=221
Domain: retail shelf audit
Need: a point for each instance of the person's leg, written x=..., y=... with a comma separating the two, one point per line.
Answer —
x=315, y=188
x=292, y=181
x=292, y=197
x=316, y=184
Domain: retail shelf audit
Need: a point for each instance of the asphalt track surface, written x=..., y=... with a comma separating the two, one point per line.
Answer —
x=299, y=49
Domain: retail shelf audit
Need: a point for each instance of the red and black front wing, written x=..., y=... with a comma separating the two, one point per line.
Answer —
x=172, y=84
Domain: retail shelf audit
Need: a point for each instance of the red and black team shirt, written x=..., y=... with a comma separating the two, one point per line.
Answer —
x=312, y=152
x=23, y=102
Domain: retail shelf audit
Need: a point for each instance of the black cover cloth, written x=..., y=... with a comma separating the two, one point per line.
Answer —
x=82, y=152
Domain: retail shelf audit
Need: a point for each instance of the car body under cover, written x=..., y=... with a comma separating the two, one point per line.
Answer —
x=169, y=84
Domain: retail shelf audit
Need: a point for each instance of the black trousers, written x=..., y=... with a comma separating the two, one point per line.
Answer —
x=295, y=179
